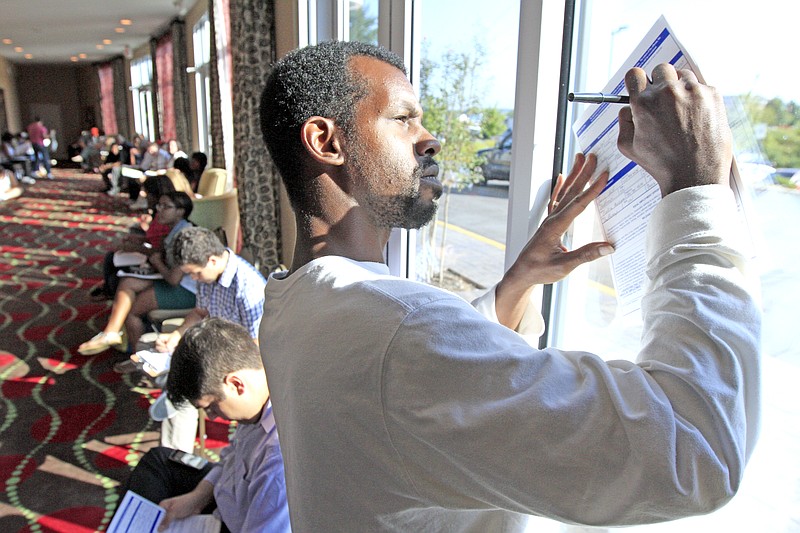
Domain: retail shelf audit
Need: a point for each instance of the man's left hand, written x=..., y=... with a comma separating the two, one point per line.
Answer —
x=545, y=259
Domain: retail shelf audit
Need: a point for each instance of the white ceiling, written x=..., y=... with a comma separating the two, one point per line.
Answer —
x=53, y=31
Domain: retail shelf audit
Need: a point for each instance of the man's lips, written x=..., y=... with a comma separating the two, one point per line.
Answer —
x=429, y=179
x=431, y=171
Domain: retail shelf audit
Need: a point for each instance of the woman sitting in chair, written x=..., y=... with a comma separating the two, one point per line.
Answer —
x=143, y=237
x=135, y=297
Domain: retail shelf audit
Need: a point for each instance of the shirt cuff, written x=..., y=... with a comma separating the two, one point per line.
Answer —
x=530, y=327
x=693, y=213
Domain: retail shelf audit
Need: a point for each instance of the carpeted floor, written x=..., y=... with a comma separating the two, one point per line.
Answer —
x=71, y=429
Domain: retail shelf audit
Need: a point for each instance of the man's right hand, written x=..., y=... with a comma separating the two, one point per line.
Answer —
x=167, y=343
x=189, y=504
x=676, y=129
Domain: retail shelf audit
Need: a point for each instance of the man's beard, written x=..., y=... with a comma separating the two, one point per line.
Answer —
x=406, y=209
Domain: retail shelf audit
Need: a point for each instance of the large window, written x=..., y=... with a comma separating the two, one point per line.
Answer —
x=166, y=87
x=363, y=21
x=740, y=51
x=467, y=80
x=143, y=113
x=201, y=40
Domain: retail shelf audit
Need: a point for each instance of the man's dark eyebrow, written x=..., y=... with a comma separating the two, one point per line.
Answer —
x=408, y=106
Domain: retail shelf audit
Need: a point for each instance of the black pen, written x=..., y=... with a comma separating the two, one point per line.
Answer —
x=598, y=98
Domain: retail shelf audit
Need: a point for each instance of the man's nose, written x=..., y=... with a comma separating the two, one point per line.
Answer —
x=428, y=145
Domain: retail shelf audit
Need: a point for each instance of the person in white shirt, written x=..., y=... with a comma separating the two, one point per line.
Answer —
x=402, y=408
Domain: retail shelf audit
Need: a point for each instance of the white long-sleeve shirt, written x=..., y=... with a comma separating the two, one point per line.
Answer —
x=402, y=408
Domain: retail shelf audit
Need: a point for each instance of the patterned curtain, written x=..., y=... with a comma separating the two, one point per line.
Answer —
x=217, y=136
x=154, y=90
x=180, y=85
x=121, y=96
x=164, y=72
x=252, y=22
x=105, y=73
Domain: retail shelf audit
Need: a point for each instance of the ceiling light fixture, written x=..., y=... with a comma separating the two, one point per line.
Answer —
x=18, y=49
x=125, y=22
x=7, y=41
x=106, y=41
x=119, y=30
x=99, y=46
x=28, y=56
x=73, y=59
x=82, y=56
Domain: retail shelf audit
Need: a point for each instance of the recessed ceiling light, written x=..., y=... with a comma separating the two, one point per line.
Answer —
x=82, y=56
x=73, y=59
x=119, y=30
x=7, y=41
x=18, y=49
x=125, y=22
x=99, y=46
x=28, y=56
x=106, y=41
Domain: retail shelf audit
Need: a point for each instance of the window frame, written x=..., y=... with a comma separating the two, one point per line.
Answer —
x=142, y=95
x=201, y=34
x=537, y=73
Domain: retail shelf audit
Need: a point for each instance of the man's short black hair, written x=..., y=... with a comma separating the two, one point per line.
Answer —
x=157, y=186
x=182, y=164
x=311, y=81
x=194, y=246
x=181, y=201
x=207, y=352
x=201, y=159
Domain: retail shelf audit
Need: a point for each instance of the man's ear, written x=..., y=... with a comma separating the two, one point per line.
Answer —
x=320, y=137
x=235, y=381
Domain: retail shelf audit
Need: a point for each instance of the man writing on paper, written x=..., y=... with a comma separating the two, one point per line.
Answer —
x=402, y=408
x=217, y=367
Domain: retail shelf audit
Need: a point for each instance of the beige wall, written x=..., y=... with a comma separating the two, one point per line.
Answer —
x=9, y=86
x=64, y=96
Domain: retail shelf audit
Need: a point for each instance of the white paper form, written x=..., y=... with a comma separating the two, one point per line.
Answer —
x=139, y=515
x=627, y=202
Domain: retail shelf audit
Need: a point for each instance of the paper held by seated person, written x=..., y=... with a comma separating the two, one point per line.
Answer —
x=144, y=271
x=139, y=515
x=123, y=259
x=625, y=205
x=153, y=363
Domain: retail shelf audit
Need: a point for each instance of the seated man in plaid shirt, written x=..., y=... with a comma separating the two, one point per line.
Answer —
x=227, y=287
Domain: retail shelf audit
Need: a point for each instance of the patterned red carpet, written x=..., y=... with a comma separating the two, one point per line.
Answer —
x=71, y=429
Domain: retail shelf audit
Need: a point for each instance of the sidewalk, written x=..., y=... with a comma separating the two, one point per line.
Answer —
x=475, y=258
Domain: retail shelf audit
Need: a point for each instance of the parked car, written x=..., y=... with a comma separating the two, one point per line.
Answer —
x=497, y=160
x=786, y=177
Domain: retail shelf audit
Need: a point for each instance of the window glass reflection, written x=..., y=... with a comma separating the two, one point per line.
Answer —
x=741, y=53
x=467, y=82
x=364, y=21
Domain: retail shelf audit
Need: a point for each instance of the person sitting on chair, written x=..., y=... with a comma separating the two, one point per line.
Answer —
x=143, y=237
x=227, y=287
x=136, y=296
x=217, y=367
